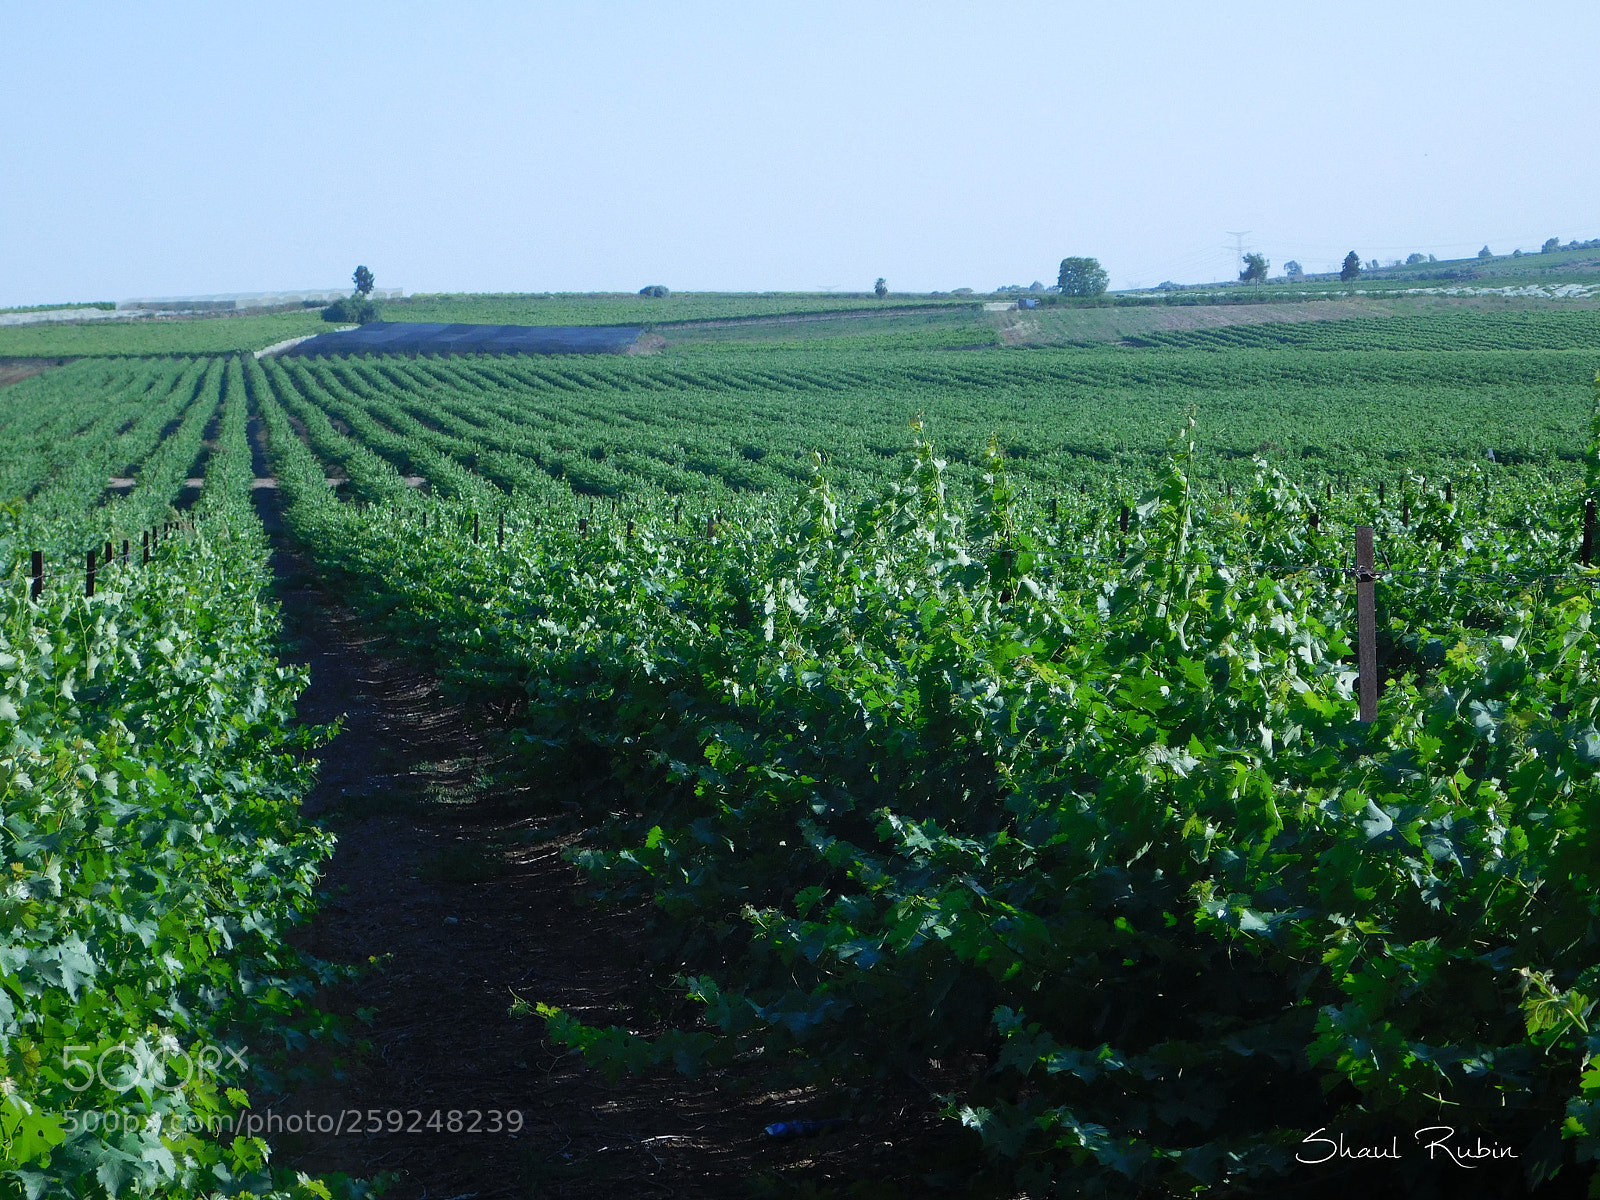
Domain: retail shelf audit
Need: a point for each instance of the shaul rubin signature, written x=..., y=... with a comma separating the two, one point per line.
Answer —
x=1438, y=1140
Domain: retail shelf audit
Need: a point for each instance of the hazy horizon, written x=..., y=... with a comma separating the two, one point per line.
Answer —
x=186, y=150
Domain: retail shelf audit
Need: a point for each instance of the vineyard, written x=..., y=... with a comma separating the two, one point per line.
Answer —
x=981, y=725
x=150, y=780
x=736, y=426
x=1574, y=330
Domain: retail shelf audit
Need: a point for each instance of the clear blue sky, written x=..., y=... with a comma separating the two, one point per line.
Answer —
x=171, y=149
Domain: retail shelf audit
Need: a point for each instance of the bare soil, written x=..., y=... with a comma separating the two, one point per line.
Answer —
x=14, y=370
x=449, y=883
x=646, y=343
x=1058, y=326
x=1044, y=326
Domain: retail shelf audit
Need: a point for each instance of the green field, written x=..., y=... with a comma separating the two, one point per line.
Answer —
x=955, y=714
x=156, y=336
x=709, y=322
x=233, y=333
x=627, y=309
x=150, y=786
x=748, y=422
x=914, y=767
x=1576, y=266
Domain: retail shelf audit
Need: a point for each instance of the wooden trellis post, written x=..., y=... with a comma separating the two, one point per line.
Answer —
x=88, y=575
x=36, y=588
x=1588, y=532
x=1366, y=625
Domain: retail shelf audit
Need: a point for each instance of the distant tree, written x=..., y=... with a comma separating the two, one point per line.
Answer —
x=1352, y=267
x=881, y=288
x=1486, y=253
x=1255, y=269
x=1413, y=259
x=1431, y=258
x=1517, y=253
x=654, y=290
x=363, y=281
x=1552, y=245
x=1293, y=269
x=1082, y=277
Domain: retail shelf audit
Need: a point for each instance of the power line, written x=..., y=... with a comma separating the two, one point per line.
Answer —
x=1238, y=237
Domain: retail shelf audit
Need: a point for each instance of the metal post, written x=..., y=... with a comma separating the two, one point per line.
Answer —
x=1366, y=624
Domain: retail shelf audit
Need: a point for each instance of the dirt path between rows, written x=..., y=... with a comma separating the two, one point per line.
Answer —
x=451, y=884
x=15, y=370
